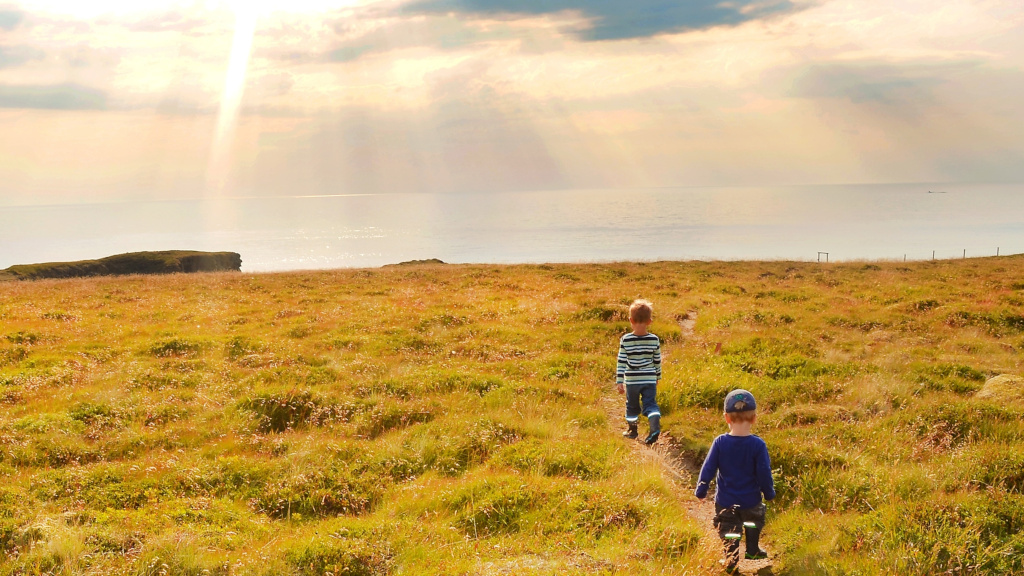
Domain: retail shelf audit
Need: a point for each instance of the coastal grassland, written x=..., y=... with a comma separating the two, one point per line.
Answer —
x=414, y=420
x=439, y=419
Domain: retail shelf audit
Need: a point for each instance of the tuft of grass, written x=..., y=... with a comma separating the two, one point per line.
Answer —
x=177, y=348
x=280, y=412
x=339, y=554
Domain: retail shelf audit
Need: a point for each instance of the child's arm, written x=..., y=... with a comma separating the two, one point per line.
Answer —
x=657, y=360
x=764, y=474
x=620, y=369
x=707, y=471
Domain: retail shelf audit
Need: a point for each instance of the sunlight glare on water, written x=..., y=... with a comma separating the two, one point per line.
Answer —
x=849, y=222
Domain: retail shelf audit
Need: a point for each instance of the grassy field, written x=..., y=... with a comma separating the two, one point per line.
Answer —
x=442, y=419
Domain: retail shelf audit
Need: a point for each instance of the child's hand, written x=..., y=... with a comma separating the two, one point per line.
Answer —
x=621, y=388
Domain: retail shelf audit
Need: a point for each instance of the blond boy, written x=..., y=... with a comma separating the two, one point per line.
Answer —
x=742, y=470
x=638, y=371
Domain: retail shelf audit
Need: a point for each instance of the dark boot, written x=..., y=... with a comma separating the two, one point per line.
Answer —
x=732, y=552
x=730, y=530
x=753, y=533
x=631, y=432
x=655, y=422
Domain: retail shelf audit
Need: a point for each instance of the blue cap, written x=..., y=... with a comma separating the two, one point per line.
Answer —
x=739, y=401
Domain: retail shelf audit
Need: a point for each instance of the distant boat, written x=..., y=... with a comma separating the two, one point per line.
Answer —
x=932, y=192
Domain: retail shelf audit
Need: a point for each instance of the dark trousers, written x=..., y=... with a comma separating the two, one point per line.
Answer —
x=729, y=522
x=640, y=399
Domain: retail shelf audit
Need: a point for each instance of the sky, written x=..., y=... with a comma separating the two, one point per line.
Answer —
x=112, y=100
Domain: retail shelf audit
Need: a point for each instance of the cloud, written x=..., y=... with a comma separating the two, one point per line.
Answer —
x=52, y=97
x=9, y=19
x=11, y=56
x=619, y=19
x=442, y=32
x=352, y=52
x=919, y=120
x=878, y=83
x=169, y=21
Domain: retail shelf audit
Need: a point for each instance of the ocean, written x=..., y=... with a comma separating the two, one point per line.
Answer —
x=850, y=222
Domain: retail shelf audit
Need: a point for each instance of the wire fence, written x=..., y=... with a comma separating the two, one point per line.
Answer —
x=935, y=255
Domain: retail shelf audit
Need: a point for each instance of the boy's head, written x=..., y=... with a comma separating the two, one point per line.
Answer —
x=640, y=312
x=740, y=406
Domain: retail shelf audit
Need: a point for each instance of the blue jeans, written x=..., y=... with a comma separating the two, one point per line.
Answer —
x=640, y=399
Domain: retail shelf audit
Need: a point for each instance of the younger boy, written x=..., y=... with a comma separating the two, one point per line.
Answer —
x=638, y=372
x=744, y=473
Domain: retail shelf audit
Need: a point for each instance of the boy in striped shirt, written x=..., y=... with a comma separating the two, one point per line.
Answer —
x=638, y=372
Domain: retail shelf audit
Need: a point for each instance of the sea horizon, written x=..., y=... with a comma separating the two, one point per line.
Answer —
x=912, y=221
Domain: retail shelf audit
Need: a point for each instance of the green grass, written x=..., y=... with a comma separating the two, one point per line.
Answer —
x=440, y=419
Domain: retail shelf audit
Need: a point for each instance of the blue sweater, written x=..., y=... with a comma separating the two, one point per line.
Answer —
x=743, y=469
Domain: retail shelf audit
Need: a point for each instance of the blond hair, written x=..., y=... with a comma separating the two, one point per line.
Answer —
x=744, y=416
x=641, y=311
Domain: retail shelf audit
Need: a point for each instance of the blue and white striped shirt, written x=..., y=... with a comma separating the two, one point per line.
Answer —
x=639, y=360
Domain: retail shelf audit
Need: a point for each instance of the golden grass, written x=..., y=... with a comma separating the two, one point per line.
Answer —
x=439, y=419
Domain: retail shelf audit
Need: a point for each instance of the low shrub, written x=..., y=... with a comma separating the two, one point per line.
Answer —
x=53, y=451
x=241, y=346
x=952, y=425
x=964, y=535
x=780, y=393
x=453, y=454
x=676, y=542
x=997, y=324
x=589, y=512
x=98, y=415
x=450, y=381
x=10, y=356
x=177, y=348
x=925, y=305
x=563, y=367
x=379, y=420
x=957, y=378
x=990, y=465
x=602, y=314
x=701, y=392
x=326, y=491
x=278, y=412
x=179, y=559
x=804, y=414
x=23, y=337
x=585, y=461
x=413, y=344
x=492, y=507
x=338, y=555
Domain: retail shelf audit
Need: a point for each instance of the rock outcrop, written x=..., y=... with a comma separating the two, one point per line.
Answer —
x=1003, y=389
x=166, y=262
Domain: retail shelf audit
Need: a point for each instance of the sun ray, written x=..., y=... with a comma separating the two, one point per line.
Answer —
x=219, y=166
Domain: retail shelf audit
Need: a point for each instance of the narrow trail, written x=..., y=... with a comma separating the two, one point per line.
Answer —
x=685, y=469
